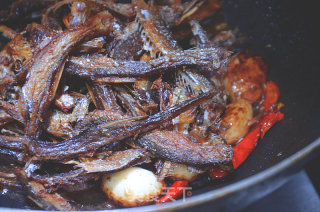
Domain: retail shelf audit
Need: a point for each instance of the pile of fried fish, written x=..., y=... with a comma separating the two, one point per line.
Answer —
x=90, y=87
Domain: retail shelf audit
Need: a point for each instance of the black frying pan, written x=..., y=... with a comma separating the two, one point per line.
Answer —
x=282, y=33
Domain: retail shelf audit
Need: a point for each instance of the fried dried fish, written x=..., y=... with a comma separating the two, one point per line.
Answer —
x=45, y=200
x=177, y=147
x=47, y=66
x=13, y=142
x=116, y=161
x=97, y=67
x=89, y=141
x=12, y=156
x=102, y=85
x=104, y=98
x=156, y=36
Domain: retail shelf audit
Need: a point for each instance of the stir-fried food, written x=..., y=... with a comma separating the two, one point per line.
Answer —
x=118, y=99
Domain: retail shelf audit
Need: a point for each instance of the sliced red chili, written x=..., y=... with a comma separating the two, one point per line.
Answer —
x=269, y=120
x=174, y=192
x=242, y=150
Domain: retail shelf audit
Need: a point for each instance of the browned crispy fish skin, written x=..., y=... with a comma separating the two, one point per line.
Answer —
x=96, y=67
x=103, y=98
x=156, y=36
x=70, y=178
x=88, y=142
x=132, y=93
x=9, y=179
x=45, y=200
x=13, y=143
x=12, y=149
x=12, y=156
x=47, y=66
x=116, y=161
x=177, y=147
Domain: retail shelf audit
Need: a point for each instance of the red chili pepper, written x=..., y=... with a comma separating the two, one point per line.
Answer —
x=217, y=173
x=174, y=192
x=242, y=150
x=271, y=95
x=269, y=120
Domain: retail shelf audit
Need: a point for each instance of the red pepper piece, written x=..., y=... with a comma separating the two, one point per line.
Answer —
x=271, y=95
x=242, y=150
x=174, y=192
x=269, y=120
x=217, y=173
